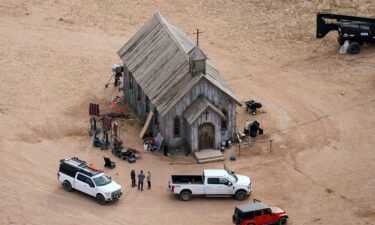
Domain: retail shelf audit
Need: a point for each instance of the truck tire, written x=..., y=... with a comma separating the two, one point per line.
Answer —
x=185, y=195
x=240, y=195
x=67, y=186
x=100, y=199
x=235, y=219
x=354, y=48
x=282, y=221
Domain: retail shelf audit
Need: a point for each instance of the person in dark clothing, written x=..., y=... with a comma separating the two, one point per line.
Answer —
x=132, y=175
x=165, y=149
x=141, y=178
x=148, y=180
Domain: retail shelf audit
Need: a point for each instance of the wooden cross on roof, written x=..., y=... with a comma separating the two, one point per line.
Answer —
x=207, y=112
x=197, y=33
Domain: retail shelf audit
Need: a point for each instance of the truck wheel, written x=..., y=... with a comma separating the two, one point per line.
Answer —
x=282, y=221
x=67, y=186
x=185, y=195
x=354, y=48
x=240, y=195
x=100, y=199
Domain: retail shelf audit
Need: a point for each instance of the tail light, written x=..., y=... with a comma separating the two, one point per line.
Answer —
x=172, y=188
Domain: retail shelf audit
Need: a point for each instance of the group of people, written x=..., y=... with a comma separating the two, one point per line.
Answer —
x=141, y=178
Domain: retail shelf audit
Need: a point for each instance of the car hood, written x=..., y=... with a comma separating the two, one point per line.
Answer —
x=245, y=180
x=111, y=187
x=277, y=210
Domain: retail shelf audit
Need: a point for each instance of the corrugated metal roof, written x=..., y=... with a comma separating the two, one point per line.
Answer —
x=198, y=107
x=157, y=58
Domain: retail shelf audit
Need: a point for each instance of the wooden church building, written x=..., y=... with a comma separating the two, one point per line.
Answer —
x=171, y=84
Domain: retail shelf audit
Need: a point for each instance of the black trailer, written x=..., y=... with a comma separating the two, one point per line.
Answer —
x=356, y=30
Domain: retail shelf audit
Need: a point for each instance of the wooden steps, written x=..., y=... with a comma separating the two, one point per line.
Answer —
x=208, y=155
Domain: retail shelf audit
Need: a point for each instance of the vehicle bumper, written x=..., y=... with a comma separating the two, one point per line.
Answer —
x=114, y=196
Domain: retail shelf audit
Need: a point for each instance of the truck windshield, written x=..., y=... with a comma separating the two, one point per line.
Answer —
x=102, y=180
x=232, y=178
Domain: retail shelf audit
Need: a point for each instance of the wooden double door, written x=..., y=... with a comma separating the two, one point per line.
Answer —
x=206, y=136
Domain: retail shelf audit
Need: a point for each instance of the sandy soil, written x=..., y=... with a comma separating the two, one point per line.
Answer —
x=56, y=56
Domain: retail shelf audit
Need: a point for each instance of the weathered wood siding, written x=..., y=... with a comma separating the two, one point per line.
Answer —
x=165, y=124
x=217, y=97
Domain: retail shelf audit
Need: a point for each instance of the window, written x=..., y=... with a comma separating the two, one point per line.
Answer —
x=156, y=118
x=86, y=180
x=267, y=212
x=81, y=178
x=147, y=107
x=249, y=215
x=68, y=170
x=177, y=126
x=130, y=81
x=224, y=125
x=223, y=181
x=139, y=93
x=213, y=181
x=258, y=213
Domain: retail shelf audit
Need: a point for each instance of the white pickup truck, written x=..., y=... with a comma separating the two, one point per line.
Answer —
x=77, y=174
x=213, y=183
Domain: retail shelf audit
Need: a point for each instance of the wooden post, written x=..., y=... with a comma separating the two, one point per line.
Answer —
x=270, y=145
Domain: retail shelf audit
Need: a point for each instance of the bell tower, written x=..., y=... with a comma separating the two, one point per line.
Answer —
x=197, y=61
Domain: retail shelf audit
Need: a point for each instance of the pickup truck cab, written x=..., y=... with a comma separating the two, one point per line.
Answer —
x=258, y=213
x=77, y=174
x=213, y=183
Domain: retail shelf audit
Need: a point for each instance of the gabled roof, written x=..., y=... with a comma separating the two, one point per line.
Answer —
x=197, y=54
x=157, y=58
x=196, y=109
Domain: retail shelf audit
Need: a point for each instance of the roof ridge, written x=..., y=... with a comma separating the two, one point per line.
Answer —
x=163, y=21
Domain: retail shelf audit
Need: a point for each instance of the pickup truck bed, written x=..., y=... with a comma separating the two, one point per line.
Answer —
x=187, y=179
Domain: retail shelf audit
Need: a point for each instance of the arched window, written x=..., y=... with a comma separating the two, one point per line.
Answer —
x=177, y=127
x=224, y=123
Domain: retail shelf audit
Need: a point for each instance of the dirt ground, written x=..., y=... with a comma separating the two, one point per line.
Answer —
x=319, y=108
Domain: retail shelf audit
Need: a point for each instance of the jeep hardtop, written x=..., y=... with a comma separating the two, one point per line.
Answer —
x=77, y=174
x=258, y=213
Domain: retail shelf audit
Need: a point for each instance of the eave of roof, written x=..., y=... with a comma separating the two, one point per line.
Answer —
x=196, y=109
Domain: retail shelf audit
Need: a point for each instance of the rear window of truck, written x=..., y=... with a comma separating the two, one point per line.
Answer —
x=67, y=170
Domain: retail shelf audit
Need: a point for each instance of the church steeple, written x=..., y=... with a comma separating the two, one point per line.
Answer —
x=197, y=61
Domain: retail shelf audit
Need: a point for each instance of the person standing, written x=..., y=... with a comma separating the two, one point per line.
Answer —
x=148, y=180
x=132, y=175
x=141, y=178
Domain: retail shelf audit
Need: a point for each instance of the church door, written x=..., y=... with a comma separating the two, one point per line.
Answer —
x=206, y=136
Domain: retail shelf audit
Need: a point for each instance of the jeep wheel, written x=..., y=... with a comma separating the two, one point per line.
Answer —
x=240, y=195
x=185, y=195
x=100, y=199
x=282, y=221
x=250, y=224
x=67, y=186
